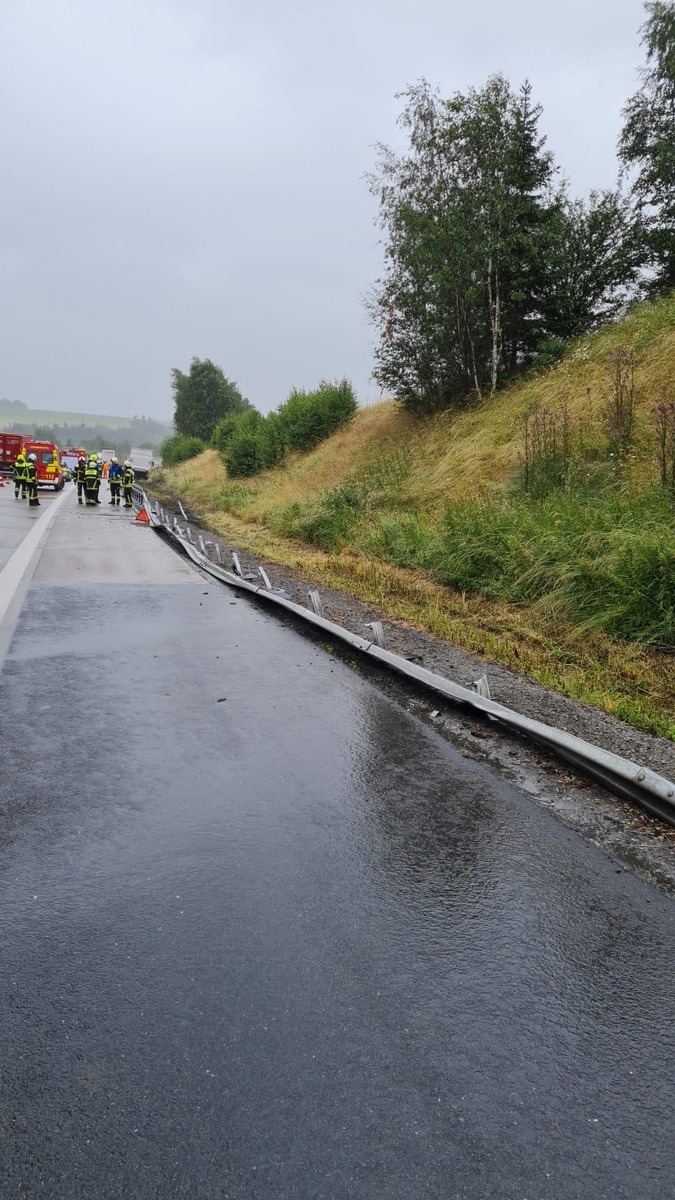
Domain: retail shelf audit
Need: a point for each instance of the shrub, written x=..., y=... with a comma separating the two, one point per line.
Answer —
x=549, y=352
x=309, y=417
x=243, y=455
x=254, y=443
x=224, y=431
x=178, y=448
x=250, y=442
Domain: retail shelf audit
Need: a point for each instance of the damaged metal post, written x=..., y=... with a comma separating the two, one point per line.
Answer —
x=378, y=633
x=315, y=601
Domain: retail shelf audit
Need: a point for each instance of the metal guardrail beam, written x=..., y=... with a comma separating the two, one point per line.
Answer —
x=628, y=779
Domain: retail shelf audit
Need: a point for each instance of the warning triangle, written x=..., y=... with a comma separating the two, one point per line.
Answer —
x=143, y=517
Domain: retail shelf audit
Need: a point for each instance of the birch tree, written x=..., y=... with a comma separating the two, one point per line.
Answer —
x=464, y=212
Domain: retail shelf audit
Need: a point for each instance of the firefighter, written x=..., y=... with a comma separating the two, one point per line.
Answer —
x=127, y=482
x=99, y=471
x=115, y=480
x=32, y=480
x=91, y=481
x=20, y=475
x=79, y=477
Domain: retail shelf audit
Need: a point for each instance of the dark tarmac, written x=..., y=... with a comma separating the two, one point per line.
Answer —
x=266, y=935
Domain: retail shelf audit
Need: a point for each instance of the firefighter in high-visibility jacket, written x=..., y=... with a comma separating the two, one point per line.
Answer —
x=115, y=480
x=32, y=480
x=79, y=478
x=127, y=482
x=91, y=481
x=20, y=475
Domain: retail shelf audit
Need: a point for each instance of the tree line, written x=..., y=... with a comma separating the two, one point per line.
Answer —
x=210, y=410
x=139, y=431
x=490, y=264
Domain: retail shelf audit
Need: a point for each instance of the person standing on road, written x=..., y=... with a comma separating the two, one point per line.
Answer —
x=79, y=477
x=32, y=480
x=20, y=475
x=127, y=482
x=115, y=480
x=91, y=481
x=99, y=468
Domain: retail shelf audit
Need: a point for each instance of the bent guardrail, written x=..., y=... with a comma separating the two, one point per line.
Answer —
x=627, y=779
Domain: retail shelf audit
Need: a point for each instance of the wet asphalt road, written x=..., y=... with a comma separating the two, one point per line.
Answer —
x=265, y=935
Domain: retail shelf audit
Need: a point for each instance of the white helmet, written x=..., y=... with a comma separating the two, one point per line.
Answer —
x=127, y=462
x=113, y=458
x=32, y=457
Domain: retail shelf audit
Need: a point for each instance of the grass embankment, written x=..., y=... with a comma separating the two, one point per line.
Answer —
x=426, y=519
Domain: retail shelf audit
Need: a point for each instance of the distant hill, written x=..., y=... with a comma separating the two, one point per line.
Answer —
x=94, y=430
x=12, y=414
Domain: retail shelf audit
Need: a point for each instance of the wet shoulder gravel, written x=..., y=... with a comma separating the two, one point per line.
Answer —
x=634, y=839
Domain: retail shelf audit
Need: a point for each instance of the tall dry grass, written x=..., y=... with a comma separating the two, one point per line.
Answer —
x=366, y=511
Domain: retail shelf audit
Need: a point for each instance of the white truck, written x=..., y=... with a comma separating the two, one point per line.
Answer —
x=143, y=461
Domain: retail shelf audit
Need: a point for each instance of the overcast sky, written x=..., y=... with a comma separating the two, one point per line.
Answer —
x=185, y=177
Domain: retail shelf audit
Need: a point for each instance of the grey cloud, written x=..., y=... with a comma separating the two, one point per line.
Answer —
x=187, y=178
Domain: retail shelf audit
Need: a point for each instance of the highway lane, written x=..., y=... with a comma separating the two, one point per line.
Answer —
x=266, y=935
x=17, y=518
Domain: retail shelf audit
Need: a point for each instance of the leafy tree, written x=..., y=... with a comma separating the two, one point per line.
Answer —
x=464, y=212
x=595, y=249
x=647, y=141
x=486, y=259
x=202, y=398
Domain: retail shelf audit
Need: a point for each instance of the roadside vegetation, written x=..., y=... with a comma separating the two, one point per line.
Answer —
x=536, y=528
x=519, y=496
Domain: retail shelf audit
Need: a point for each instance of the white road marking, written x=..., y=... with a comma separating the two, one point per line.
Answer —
x=16, y=567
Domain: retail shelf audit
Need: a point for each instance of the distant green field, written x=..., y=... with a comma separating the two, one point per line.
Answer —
x=44, y=416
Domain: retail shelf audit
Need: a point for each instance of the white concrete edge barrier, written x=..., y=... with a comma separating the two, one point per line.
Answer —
x=16, y=567
x=628, y=779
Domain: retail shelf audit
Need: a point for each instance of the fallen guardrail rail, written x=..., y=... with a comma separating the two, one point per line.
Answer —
x=627, y=779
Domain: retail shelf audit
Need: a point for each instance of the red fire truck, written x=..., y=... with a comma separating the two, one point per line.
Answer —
x=49, y=469
x=10, y=445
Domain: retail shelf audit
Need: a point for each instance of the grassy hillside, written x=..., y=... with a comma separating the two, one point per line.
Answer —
x=428, y=518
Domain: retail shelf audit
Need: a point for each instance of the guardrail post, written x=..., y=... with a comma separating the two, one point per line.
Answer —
x=482, y=686
x=265, y=578
x=235, y=563
x=315, y=601
x=185, y=516
x=378, y=633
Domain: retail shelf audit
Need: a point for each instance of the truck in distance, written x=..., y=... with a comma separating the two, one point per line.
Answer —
x=143, y=461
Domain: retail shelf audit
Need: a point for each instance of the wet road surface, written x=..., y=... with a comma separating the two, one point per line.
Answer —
x=266, y=935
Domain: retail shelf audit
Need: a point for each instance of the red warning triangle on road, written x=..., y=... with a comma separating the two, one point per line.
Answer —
x=143, y=517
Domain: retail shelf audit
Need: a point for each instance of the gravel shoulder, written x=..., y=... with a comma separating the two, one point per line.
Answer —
x=632, y=838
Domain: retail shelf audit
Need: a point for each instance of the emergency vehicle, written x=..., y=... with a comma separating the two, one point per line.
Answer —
x=70, y=456
x=49, y=469
x=10, y=445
